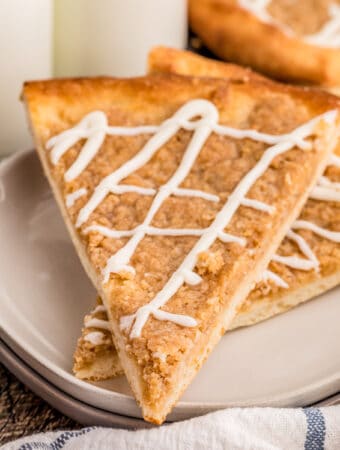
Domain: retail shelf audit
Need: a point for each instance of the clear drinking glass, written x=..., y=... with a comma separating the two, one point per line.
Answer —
x=113, y=37
x=25, y=54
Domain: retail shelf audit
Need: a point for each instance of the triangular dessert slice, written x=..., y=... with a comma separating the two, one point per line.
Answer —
x=177, y=191
x=95, y=356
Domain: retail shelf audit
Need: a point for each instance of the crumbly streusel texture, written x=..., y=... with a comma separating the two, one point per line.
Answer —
x=56, y=105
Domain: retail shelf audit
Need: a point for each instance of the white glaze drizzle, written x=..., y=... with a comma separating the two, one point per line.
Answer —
x=97, y=323
x=325, y=190
x=327, y=36
x=326, y=182
x=303, y=246
x=323, y=232
x=73, y=197
x=180, y=192
x=202, y=129
x=334, y=160
x=294, y=262
x=311, y=261
x=99, y=308
x=152, y=231
x=95, y=337
x=326, y=193
x=271, y=276
x=125, y=188
x=256, y=204
x=258, y=8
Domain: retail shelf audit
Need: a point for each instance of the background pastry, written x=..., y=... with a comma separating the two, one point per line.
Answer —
x=292, y=41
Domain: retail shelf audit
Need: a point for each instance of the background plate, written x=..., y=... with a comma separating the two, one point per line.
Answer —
x=291, y=360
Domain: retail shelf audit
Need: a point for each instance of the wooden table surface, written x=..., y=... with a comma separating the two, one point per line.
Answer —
x=23, y=413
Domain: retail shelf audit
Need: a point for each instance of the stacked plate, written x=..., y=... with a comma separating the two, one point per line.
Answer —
x=291, y=360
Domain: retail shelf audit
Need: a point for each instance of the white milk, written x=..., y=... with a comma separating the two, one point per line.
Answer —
x=25, y=52
x=113, y=37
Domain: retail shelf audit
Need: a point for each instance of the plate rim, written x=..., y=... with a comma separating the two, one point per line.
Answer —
x=72, y=407
x=48, y=392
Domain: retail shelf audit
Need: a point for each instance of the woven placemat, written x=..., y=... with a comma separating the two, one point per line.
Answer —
x=23, y=413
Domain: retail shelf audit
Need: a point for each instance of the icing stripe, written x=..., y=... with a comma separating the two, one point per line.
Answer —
x=98, y=323
x=256, y=204
x=320, y=193
x=326, y=182
x=125, y=188
x=99, y=308
x=325, y=193
x=303, y=246
x=152, y=231
x=95, y=337
x=258, y=8
x=269, y=275
x=334, y=160
x=180, y=192
x=294, y=262
x=327, y=36
x=328, y=234
x=73, y=197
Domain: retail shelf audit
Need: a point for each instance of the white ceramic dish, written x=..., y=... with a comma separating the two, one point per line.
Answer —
x=77, y=410
x=291, y=360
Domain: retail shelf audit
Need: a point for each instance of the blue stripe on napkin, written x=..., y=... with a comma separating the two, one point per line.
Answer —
x=316, y=429
x=58, y=443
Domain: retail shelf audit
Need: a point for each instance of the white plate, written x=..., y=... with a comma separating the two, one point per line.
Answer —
x=292, y=360
x=77, y=410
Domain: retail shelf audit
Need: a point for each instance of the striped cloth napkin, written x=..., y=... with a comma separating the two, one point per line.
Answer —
x=243, y=429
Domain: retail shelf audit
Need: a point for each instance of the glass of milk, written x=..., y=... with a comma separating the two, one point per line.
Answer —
x=113, y=37
x=25, y=50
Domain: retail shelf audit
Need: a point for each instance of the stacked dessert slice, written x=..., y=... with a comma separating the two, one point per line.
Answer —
x=290, y=279
x=177, y=192
x=317, y=225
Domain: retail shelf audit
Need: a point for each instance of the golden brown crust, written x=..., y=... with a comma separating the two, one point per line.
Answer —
x=183, y=62
x=56, y=105
x=236, y=35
